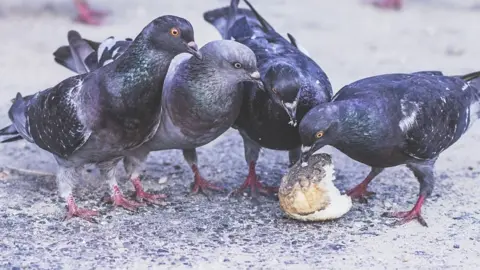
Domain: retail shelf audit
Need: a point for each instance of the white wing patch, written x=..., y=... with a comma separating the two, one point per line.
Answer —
x=107, y=62
x=465, y=86
x=115, y=52
x=474, y=112
x=105, y=45
x=409, y=112
x=292, y=105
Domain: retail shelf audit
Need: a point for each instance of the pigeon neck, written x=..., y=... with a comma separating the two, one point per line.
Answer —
x=200, y=79
x=201, y=101
x=142, y=64
x=209, y=75
x=355, y=122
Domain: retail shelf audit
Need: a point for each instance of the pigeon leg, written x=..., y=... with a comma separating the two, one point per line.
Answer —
x=407, y=216
x=88, y=15
x=360, y=191
x=199, y=183
x=74, y=211
x=253, y=181
x=133, y=165
x=424, y=174
x=119, y=199
x=148, y=197
x=66, y=177
x=108, y=171
x=252, y=151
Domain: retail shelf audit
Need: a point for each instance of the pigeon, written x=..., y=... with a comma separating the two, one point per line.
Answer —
x=293, y=82
x=387, y=4
x=201, y=99
x=389, y=120
x=86, y=14
x=99, y=116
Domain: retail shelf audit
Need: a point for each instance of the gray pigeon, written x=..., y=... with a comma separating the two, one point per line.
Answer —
x=201, y=99
x=99, y=116
x=394, y=119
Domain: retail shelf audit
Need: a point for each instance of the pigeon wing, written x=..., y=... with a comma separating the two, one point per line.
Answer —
x=52, y=119
x=433, y=118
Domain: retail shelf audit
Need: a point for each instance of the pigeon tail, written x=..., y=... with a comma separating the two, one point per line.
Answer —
x=63, y=57
x=8, y=130
x=472, y=85
x=83, y=55
x=12, y=139
x=79, y=55
x=80, y=50
x=232, y=14
x=473, y=79
x=17, y=116
x=219, y=19
x=266, y=26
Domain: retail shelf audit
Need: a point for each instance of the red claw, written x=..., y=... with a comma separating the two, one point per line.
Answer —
x=253, y=181
x=119, y=200
x=407, y=216
x=148, y=197
x=74, y=211
x=202, y=185
x=359, y=192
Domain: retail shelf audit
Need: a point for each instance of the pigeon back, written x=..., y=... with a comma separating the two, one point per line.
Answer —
x=430, y=111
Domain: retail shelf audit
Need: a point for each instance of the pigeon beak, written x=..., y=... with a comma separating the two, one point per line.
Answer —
x=308, y=151
x=193, y=49
x=255, y=77
x=291, y=109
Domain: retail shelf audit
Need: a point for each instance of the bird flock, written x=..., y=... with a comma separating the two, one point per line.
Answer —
x=158, y=91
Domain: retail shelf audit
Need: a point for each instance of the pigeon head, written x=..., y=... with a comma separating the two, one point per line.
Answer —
x=319, y=127
x=173, y=34
x=282, y=82
x=237, y=62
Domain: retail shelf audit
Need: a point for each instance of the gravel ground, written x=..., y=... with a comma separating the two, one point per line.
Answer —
x=349, y=40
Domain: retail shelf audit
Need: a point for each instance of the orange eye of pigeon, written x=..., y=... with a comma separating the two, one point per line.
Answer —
x=174, y=32
x=319, y=134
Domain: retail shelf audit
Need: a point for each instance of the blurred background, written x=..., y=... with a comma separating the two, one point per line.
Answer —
x=349, y=39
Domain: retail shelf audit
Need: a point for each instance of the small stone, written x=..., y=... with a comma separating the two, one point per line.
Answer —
x=336, y=247
x=456, y=246
x=162, y=180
